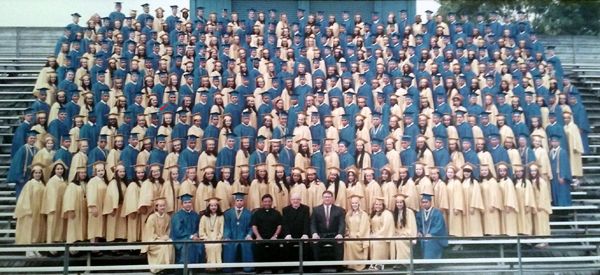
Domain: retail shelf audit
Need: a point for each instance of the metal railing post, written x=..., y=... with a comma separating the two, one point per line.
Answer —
x=185, y=259
x=519, y=255
x=411, y=266
x=66, y=259
x=300, y=257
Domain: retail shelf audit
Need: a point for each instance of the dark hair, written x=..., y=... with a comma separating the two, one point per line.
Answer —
x=336, y=184
x=281, y=182
x=206, y=211
x=397, y=213
x=328, y=192
x=268, y=196
x=41, y=178
x=373, y=212
x=119, y=181
x=65, y=173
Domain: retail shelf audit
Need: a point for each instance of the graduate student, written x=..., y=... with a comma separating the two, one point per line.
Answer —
x=157, y=229
x=237, y=226
x=28, y=211
x=184, y=227
x=430, y=223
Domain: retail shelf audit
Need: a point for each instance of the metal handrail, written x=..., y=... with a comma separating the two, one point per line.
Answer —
x=411, y=262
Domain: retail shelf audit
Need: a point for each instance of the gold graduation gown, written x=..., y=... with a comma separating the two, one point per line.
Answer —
x=456, y=209
x=356, y=189
x=148, y=192
x=130, y=211
x=52, y=208
x=75, y=200
x=400, y=250
x=389, y=191
x=31, y=222
x=116, y=224
x=111, y=161
x=472, y=224
x=527, y=206
x=541, y=218
x=79, y=160
x=315, y=193
x=211, y=229
x=158, y=228
x=301, y=190
x=281, y=197
x=358, y=225
x=410, y=189
x=382, y=226
x=492, y=200
x=224, y=192
x=45, y=158
x=511, y=207
x=256, y=191
x=440, y=198
x=95, y=192
x=371, y=191
x=575, y=149
x=203, y=192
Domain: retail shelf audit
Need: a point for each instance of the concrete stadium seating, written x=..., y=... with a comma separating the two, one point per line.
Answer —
x=20, y=61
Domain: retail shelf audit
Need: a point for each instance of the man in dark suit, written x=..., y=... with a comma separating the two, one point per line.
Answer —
x=328, y=221
x=295, y=225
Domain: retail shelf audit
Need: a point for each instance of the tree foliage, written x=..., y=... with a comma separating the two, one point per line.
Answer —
x=551, y=17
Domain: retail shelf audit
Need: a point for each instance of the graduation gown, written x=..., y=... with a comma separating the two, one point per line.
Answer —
x=19, y=169
x=358, y=225
x=357, y=188
x=382, y=226
x=95, y=192
x=211, y=229
x=52, y=208
x=74, y=201
x=457, y=208
x=183, y=225
x=410, y=189
x=472, y=220
x=257, y=190
x=237, y=227
x=389, y=191
x=493, y=203
x=130, y=212
x=315, y=192
x=371, y=191
x=441, y=200
x=527, y=206
x=400, y=250
x=432, y=224
x=301, y=190
x=561, y=169
x=158, y=228
x=203, y=192
x=116, y=224
x=31, y=223
x=543, y=198
x=576, y=149
x=511, y=207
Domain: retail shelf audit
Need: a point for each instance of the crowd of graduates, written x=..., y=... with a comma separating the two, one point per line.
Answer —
x=134, y=112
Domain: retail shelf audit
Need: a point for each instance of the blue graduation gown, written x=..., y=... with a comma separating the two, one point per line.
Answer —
x=187, y=158
x=464, y=130
x=246, y=131
x=19, y=136
x=255, y=158
x=287, y=157
x=408, y=157
x=558, y=130
x=317, y=160
x=500, y=154
x=561, y=167
x=435, y=226
x=64, y=155
x=72, y=110
x=378, y=160
x=226, y=157
x=441, y=157
x=94, y=155
x=180, y=130
x=129, y=158
x=346, y=160
x=19, y=171
x=236, y=113
x=471, y=157
x=527, y=155
x=157, y=156
x=183, y=226
x=237, y=229
x=90, y=132
x=57, y=129
x=580, y=118
x=412, y=130
x=317, y=132
x=102, y=109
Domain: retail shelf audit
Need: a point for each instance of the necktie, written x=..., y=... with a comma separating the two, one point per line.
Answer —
x=239, y=212
x=327, y=215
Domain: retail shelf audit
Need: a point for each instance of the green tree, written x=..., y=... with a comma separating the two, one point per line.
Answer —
x=552, y=17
